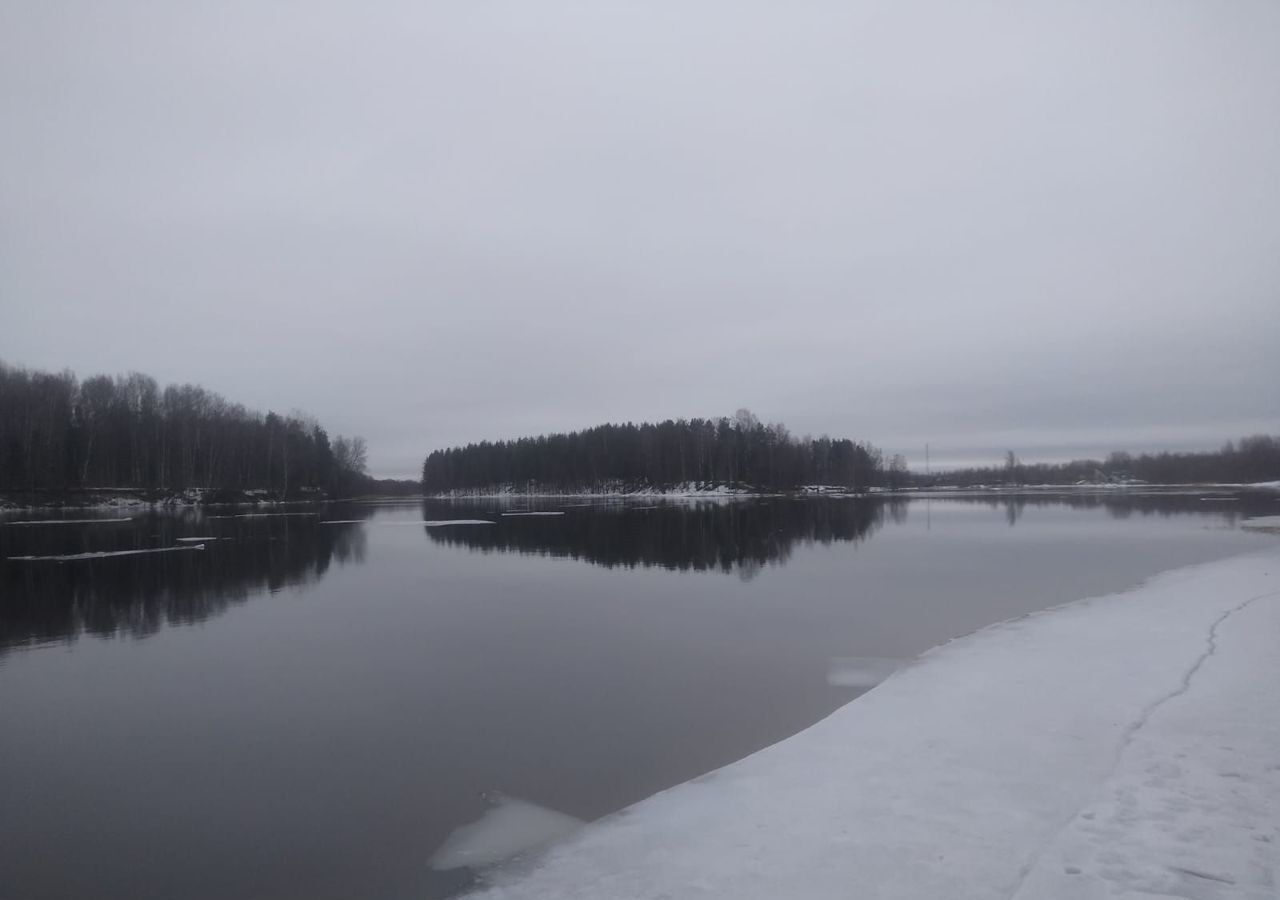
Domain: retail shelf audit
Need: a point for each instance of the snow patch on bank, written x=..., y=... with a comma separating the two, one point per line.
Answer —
x=1125, y=744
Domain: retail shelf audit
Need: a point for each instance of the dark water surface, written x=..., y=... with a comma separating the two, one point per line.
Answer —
x=304, y=709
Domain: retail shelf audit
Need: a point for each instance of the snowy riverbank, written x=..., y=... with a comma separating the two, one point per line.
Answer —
x=618, y=490
x=1125, y=744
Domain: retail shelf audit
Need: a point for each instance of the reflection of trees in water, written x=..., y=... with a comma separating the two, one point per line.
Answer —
x=1228, y=509
x=45, y=600
x=739, y=537
x=744, y=536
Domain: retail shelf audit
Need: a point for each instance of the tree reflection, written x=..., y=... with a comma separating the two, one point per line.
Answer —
x=737, y=537
x=742, y=537
x=44, y=600
x=1228, y=508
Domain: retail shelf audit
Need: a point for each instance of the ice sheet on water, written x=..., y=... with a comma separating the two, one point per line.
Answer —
x=507, y=829
x=1039, y=759
x=535, y=513
x=104, y=554
x=429, y=523
x=262, y=515
x=860, y=671
x=69, y=521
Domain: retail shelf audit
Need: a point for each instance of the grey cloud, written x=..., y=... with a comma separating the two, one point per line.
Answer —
x=978, y=224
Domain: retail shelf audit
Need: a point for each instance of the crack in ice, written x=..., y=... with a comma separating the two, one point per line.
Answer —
x=1131, y=731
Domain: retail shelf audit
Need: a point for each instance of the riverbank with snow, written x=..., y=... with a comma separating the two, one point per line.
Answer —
x=607, y=490
x=1120, y=745
x=614, y=491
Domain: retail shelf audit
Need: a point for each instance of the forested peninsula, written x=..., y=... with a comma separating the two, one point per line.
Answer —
x=60, y=435
x=740, y=450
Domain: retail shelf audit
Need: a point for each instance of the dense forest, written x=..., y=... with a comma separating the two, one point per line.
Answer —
x=1251, y=459
x=58, y=433
x=740, y=451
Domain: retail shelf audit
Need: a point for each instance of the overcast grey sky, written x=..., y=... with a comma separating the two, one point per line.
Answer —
x=1047, y=226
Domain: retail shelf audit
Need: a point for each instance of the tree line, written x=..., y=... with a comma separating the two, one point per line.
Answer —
x=58, y=433
x=1249, y=460
x=740, y=450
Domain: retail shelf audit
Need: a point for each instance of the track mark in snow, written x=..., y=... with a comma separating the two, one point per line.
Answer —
x=1221, y=879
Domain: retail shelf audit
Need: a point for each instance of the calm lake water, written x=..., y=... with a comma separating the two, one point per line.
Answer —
x=309, y=709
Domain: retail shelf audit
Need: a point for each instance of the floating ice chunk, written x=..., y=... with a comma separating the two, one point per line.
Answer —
x=262, y=515
x=194, y=540
x=69, y=521
x=860, y=671
x=103, y=554
x=1262, y=523
x=532, y=513
x=509, y=828
x=429, y=523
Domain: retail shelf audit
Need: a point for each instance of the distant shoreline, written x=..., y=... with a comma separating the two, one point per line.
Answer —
x=683, y=492
x=107, y=498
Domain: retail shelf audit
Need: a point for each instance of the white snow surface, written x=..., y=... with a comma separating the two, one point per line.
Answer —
x=863, y=672
x=1122, y=746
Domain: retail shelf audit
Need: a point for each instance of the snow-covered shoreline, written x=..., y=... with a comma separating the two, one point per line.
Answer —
x=710, y=490
x=135, y=499
x=1126, y=743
